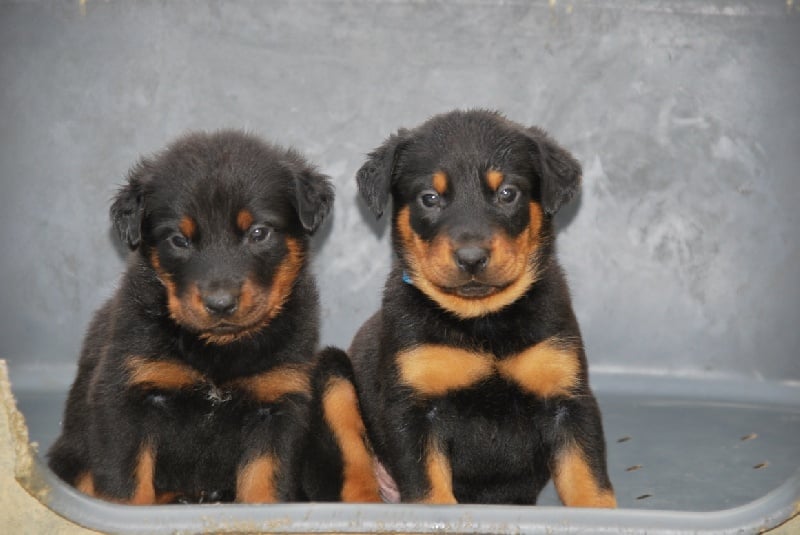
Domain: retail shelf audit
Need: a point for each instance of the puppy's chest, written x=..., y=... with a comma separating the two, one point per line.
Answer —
x=548, y=369
x=177, y=390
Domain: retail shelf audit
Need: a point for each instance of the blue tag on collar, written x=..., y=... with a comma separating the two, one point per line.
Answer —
x=407, y=278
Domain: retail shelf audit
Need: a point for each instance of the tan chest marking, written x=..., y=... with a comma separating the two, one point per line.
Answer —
x=162, y=374
x=435, y=370
x=547, y=369
x=274, y=384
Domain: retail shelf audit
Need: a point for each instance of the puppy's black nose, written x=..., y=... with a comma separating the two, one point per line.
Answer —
x=471, y=259
x=221, y=302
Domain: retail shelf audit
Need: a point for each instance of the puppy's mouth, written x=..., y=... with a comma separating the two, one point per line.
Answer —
x=474, y=289
x=231, y=328
x=226, y=328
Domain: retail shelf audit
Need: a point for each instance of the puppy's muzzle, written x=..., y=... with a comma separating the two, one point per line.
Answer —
x=471, y=259
x=221, y=302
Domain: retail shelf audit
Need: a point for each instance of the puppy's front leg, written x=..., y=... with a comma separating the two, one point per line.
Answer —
x=128, y=403
x=126, y=475
x=418, y=460
x=579, y=461
x=273, y=434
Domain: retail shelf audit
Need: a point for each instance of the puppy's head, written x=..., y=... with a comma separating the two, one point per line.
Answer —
x=473, y=196
x=224, y=221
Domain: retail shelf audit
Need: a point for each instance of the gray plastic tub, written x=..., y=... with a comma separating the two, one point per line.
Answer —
x=683, y=251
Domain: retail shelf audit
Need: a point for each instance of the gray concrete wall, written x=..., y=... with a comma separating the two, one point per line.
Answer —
x=683, y=251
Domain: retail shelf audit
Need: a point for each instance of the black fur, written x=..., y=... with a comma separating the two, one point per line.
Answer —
x=501, y=441
x=203, y=431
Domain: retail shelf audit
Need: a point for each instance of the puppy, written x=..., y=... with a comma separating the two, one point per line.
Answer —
x=472, y=377
x=194, y=381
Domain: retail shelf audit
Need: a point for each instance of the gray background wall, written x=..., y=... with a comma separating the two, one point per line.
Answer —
x=683, y=251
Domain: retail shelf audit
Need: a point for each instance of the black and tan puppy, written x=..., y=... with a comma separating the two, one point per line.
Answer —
x=195, y=379
x=472, y=376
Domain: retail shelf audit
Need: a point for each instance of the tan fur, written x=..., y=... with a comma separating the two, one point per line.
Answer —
x=255, y=482
x=272, y=385
x=341, y=412
x=440, y=182
x=187, y=226
x=244, y=219
x=512, y=267
x=434, y=370
x=547, y=369
x=440, y=476
x=494, y=179
x=575, y=483
x=163, y=374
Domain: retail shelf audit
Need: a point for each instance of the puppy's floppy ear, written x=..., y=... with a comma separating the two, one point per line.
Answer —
x=313, y=198
x=561, y=172
x=127, y=209
x=375, y=176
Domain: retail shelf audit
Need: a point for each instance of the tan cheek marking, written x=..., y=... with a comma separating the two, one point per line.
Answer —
x=247, y=296
x=194, y=301
x=535, y=224
x=440, y=182
x=340, y=409
x=494, y=179
x=173, y=302
x=433, y=260
x=244, y=219
x=575, y=484
x=270, y=386
x=440, y=476
x=189, y=311
x=187, y=226
x=285, y=276
x=411, y=243
x=162, y=374
x=255, y=482
x=546, y=369
x=434, y=370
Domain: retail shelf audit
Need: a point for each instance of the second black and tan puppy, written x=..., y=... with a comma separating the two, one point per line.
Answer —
x=472, y=376
x=195, y=379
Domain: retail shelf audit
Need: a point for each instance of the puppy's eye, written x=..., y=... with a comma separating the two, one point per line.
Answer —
x=180, y=241
x=507, y=194
x=430, y=199
x=258, y=234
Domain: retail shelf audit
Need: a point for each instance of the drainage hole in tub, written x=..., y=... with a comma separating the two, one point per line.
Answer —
x=634, y=468
x=759, y=466
x=623, y=439
x=751, y=436
x=644, y=496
